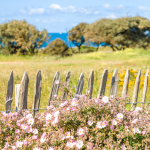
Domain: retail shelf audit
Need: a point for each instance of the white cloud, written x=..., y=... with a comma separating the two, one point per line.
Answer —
x=36, y=11
x=120, y=6
x=96, y=12
x=106, y=5
x=55, y=6
x=111, y=16
x=23, y=11
x=144, y=8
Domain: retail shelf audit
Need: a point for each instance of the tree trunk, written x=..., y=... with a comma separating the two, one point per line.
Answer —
x=113, y=48
x=96, y=48
x=79, y=49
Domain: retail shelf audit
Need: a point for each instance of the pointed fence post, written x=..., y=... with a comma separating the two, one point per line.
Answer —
x=114, y=83
x=145, y=86
x=67, y=80
x=80, y=85
x=125, y=84
x=37, y=93
x=136, y=90
x=17, y=90
x=23, y=92
x=55, y=87
x=90, y=84
x=9, y=96
x=103, y=84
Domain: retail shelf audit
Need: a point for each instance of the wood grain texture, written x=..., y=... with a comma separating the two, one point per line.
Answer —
x=37, y=93
x=103, y=84
x=9, y=96
x=23, y=92
x=55, y=87
x=136, y=90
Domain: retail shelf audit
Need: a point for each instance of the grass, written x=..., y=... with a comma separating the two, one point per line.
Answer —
x=134, y=59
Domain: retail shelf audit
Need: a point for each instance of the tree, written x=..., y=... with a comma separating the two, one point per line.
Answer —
x=94, y=33
x=57, y=47
x=75, y=35
x=21, y=37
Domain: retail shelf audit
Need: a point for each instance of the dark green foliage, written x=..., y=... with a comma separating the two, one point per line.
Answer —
x=76, y=35
x=57, y=47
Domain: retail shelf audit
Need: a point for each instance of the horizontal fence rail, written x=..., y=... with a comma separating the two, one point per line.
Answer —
x=21, y=90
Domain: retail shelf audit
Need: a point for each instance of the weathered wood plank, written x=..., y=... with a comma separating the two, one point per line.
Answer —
x=9, y=96
x=114, y=83
x=17, y=90
x=67, y=80
x=90, y=84
x=23, y=92
x=37, y=93
x=136, y=90
x=145, y=86
x=125, y=84
x=55, y=87
x=80, y=85
x=103, y=84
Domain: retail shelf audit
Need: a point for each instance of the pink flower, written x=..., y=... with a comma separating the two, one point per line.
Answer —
x=29, y=129
x=24, y=127
x=99, y=125
x=79, y=144
x=106, y=122
x=17, y=131
x=126, y=127
x=55, y=96
x=143, y=132
x=90, y=123
x=68, y=108
x=31, y=121
x=57, y=82
x=80, y=132
x=73, y=109
x=135, y=121
x=67, y=134
x=97, y=101
x=112, y=127
x=55, y=121
x=35, y=131
x=34, y=137
x=25, y=142
x=19, y=144
x=50, y=148
x=74, y=102
x=56, y=113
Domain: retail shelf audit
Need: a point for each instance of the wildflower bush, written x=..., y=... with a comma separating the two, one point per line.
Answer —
x=78, y=123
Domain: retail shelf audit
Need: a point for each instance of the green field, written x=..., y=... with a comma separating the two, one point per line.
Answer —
x=134, y=59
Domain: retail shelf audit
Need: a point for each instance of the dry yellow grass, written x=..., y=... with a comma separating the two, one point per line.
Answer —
x=97, y=61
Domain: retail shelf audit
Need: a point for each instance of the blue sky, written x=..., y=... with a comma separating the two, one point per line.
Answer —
x=62, y=15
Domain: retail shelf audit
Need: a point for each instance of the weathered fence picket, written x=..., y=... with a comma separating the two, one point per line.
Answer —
x=21, y=90
x=55, y=87
x=125, y=85
x=80, y=84
x=67, y=80
x=136, y=90
x=145, y=86
x=9, y=93
x=23, y=93
x=90, y=84
x=37, y=93
x=103, y=84
x=114, y=83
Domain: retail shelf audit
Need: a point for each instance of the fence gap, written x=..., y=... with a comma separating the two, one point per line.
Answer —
x=103, y=84
x=23, y=93
x=9, y=96
x=37, y=93
x=80, y=85
x=114, y=83
x=125, y=84
x=90, y=84
x=67, y=80
x=136, y=90
x=55, y=87
x=145, y=86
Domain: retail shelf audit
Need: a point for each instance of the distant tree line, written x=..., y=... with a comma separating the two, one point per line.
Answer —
x=19, y=37
x=117, y=33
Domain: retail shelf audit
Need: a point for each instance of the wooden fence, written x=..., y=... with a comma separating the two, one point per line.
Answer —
x=21, y=90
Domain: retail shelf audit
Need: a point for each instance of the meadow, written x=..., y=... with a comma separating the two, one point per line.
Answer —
x=104, y=58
